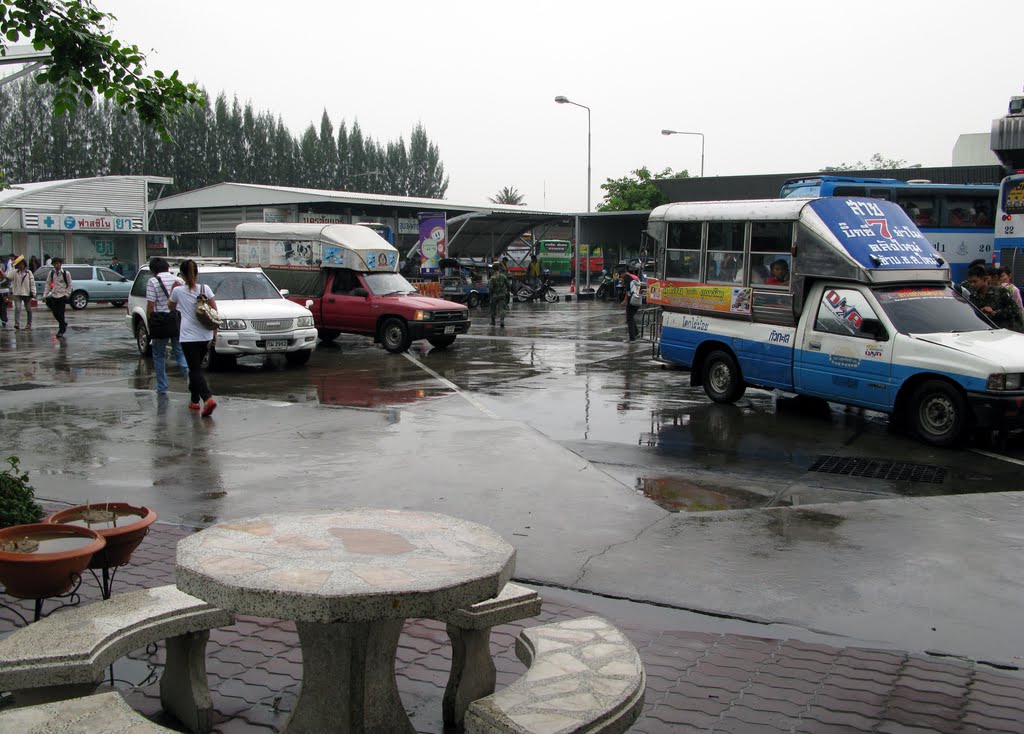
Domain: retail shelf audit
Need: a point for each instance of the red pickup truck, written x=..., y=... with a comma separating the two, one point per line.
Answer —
x=347, y=276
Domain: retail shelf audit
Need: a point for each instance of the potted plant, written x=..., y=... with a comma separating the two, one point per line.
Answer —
x=17, y=499
x=37, y=560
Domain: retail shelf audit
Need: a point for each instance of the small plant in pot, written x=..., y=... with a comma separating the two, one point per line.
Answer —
x=18, y=505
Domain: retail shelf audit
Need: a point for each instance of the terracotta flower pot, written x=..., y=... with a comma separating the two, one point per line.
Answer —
x=122, y=525
x=50, y=569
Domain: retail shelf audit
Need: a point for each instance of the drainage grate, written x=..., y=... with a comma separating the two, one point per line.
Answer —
x=21, y=386
x=880, y=469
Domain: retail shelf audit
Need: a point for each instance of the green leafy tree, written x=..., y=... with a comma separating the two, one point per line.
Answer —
x=509, y=196
x=636, y=192
x=86, y=60
x=875, y=163
x=426, y=172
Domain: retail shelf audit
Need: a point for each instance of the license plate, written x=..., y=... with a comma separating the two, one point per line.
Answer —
x=449, y=330
x=278, y=344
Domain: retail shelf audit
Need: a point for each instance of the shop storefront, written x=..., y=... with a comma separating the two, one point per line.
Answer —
x=87, y=221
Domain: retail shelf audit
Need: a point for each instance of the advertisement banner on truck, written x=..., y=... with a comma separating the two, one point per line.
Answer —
x=716, y=298
x=433, y=241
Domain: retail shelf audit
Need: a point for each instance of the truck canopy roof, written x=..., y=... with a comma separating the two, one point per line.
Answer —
x=324, y=245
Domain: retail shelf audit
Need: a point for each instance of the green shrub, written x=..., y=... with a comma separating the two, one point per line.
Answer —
x=17, y=500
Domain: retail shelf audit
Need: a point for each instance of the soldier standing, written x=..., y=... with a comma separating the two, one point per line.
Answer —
x=497, y=293
x=993, y=300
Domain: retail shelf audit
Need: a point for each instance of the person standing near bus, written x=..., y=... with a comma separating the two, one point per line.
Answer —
x=1006, y=280
x=631, y=300
x=994, y=301
x=533, y=271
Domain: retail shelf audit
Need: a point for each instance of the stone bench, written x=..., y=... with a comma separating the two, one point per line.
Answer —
x=473, y=674
x=104, y=713
x=584, y=676
x=65, y=655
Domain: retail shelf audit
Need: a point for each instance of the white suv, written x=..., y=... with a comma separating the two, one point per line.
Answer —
x=255, y=317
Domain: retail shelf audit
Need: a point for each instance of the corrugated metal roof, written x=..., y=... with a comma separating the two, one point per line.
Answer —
x=231, y=194
x=41, y=193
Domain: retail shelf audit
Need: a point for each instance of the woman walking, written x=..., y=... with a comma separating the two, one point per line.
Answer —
x=23, y=290
x=195, y=338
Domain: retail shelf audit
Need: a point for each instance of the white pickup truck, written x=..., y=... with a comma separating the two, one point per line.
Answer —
x=256, y=318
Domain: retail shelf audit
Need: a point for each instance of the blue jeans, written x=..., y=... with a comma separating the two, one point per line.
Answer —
x=159, y=361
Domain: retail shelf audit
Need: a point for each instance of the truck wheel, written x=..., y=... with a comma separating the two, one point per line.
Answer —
x=442, y=342
x=327, y=335
x=394, y=336
x=550, y=296
x=297, y=359
x=474, y=300
x=938, y=413
x=213, y=361
x=142, y=339
x=79, y=300
x=723, y=382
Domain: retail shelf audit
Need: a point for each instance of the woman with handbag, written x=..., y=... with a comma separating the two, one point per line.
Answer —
x=163, y=323
x=195, y=336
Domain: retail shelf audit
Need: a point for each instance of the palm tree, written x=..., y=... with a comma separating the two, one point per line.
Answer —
x=508, y=195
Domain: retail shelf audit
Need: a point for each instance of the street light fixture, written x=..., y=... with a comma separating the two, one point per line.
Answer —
x=562, y=99
x=680, y=132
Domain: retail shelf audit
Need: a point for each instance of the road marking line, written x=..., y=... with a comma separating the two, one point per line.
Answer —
x=1001, y=457
x=452, y=386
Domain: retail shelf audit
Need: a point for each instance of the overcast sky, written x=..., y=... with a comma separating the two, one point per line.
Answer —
x=774, y=86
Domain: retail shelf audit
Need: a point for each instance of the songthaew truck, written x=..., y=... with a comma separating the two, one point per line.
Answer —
x=347, y=276
x=838, y=298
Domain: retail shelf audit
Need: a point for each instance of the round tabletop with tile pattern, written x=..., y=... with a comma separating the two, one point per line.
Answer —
x=349, y=566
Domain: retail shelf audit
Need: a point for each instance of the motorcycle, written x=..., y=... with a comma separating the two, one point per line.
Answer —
x=606, y=288
x=541, y=291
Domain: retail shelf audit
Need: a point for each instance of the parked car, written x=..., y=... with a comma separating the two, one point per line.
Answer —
x=89, y=283
x=255, y=317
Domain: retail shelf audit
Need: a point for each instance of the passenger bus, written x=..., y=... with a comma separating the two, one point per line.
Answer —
x=958, y=219
x=1009, y=237
x=838, y=298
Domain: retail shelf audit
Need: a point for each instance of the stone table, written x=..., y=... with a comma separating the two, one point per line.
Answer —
x=349, y=580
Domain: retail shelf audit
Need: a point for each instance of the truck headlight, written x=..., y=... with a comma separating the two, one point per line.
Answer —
x=233, y=325
x=1002, y=381
x=305, y=322
x=422, y=316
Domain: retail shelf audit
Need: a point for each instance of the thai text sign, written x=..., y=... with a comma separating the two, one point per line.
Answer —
x=718, y=298
x=877, y=234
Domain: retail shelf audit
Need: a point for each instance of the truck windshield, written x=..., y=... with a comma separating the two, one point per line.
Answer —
x=930, y=310
x=240, y=286
x=387, y=284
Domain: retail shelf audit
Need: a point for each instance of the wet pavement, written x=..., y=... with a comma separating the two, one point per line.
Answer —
x=611, y=474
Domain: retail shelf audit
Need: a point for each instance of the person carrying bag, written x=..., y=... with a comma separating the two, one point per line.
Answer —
x=164, y=325
x=190, y=300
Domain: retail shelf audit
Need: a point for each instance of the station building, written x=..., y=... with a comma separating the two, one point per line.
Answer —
x=86, y=220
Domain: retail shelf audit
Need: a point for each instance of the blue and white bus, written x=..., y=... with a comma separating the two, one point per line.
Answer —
x=956, y=218
x=1009, y=237
x=838, y=298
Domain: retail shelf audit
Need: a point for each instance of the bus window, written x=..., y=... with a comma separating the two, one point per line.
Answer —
x=966, y=212
x=920, y=209
x=871, y=193
x=682, y=257
x=725, y=252
x=770, y=247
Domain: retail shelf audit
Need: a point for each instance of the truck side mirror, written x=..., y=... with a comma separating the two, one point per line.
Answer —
x=874, y=328
x=360, y=292
x=285, y=291
x=309, y=302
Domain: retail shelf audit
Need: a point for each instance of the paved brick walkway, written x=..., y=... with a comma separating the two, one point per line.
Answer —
x=696, y=681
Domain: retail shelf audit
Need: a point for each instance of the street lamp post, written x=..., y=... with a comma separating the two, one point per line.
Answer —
x=561, y=99
x=680, y=132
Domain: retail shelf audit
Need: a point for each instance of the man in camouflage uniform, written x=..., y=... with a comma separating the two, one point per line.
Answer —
x=498, y=290
x=993, y=300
